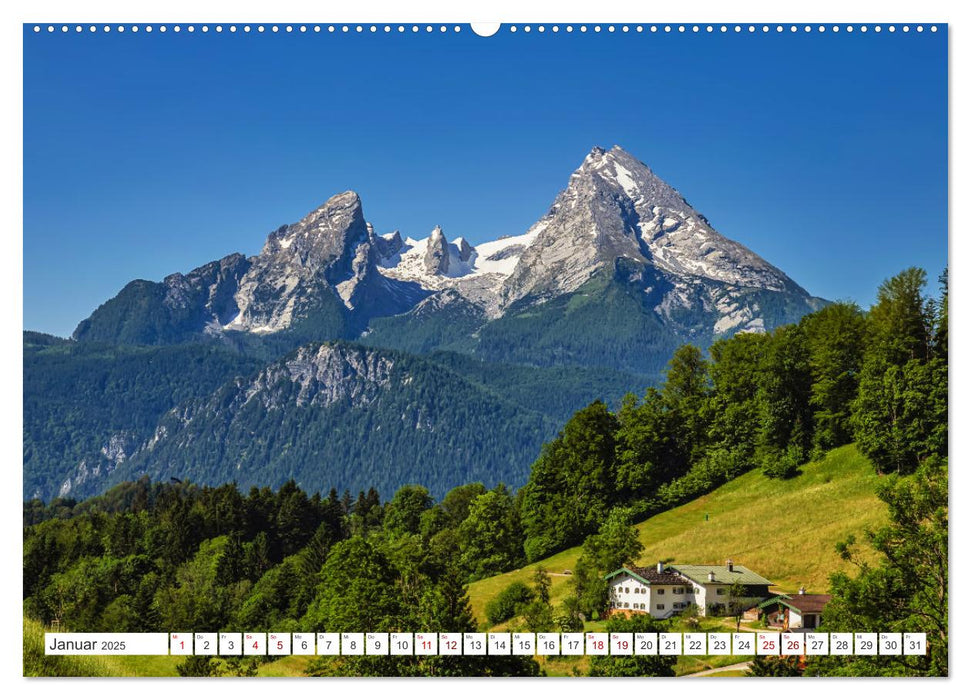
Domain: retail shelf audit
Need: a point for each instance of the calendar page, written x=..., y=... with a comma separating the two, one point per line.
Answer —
x=520, y=349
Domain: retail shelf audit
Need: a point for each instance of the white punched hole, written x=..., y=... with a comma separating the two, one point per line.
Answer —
x=485, y=28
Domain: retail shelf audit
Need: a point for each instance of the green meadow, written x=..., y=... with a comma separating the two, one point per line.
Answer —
x=785, y=530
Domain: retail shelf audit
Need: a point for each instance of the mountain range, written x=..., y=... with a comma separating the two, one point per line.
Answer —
x=378, y=358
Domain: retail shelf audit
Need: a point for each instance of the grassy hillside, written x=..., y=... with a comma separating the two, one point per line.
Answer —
x=783, y=530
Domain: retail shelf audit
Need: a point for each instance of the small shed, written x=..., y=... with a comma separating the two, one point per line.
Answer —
x=798, y=611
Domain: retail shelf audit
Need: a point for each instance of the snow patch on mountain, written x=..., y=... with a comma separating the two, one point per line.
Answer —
x=501, y=256
x=475, y=273
x=464, y=261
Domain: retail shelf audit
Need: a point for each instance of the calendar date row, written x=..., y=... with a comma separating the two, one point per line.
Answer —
x=489, y=643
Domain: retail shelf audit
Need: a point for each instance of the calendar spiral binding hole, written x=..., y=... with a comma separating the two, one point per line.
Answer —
x=512, y=28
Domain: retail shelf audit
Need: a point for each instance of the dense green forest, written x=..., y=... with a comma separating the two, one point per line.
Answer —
x=90, y=408
x=388, y=418
x=155, y=557
x=164, y=556
x=768, y=401
x=78, y=395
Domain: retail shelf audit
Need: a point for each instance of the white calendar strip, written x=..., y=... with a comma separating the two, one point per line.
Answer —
x=97, y=644
x=275, y=644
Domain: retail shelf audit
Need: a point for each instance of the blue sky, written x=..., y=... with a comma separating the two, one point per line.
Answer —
x=146, y=154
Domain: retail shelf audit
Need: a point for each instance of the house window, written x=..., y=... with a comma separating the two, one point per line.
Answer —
x=697, y=590
x=637, y=590
x=660, y=591
x=660, y=606
x=720, y=591
x=626, y=590
x=679, y=590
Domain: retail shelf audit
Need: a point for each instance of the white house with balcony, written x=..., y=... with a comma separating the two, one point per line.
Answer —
x=665, y=590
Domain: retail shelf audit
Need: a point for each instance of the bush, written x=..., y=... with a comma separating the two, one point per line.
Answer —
x=783, y=465
x=774, y=666
x=508, y=603
x=198, y=667
x=711, y=471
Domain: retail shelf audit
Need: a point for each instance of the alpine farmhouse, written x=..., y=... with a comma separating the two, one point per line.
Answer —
x=664, y=590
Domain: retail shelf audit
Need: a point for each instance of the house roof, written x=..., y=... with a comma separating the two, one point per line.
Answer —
x=806, y=603
x=772, y=601
x=801, y=603
x=649, y=576
x=739, y=574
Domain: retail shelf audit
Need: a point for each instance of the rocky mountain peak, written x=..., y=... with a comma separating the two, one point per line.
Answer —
x=388, y=245
x=616, y=207
x=329, y=246
x=322, y=233
x=465, y=250
x=436, y=258
x=621, y=174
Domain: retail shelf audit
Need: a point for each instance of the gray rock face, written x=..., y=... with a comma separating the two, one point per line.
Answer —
x=314, y=375
x=506, y=253
x=327, y=251
x=331, y=374
x=465, y=250
x=213, y=284
x=436, y=253
x=119, y=448
x=389, y=245
x=616, y=207
x=336, y=415
x=180, y=307
x=325, y=375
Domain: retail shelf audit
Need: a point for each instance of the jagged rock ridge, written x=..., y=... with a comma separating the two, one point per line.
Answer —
x=332, y=273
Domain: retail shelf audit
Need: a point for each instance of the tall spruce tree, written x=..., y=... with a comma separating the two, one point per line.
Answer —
x=900, y=412
x=835, y=338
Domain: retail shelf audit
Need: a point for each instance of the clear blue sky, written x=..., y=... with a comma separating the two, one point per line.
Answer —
x=153, y=153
